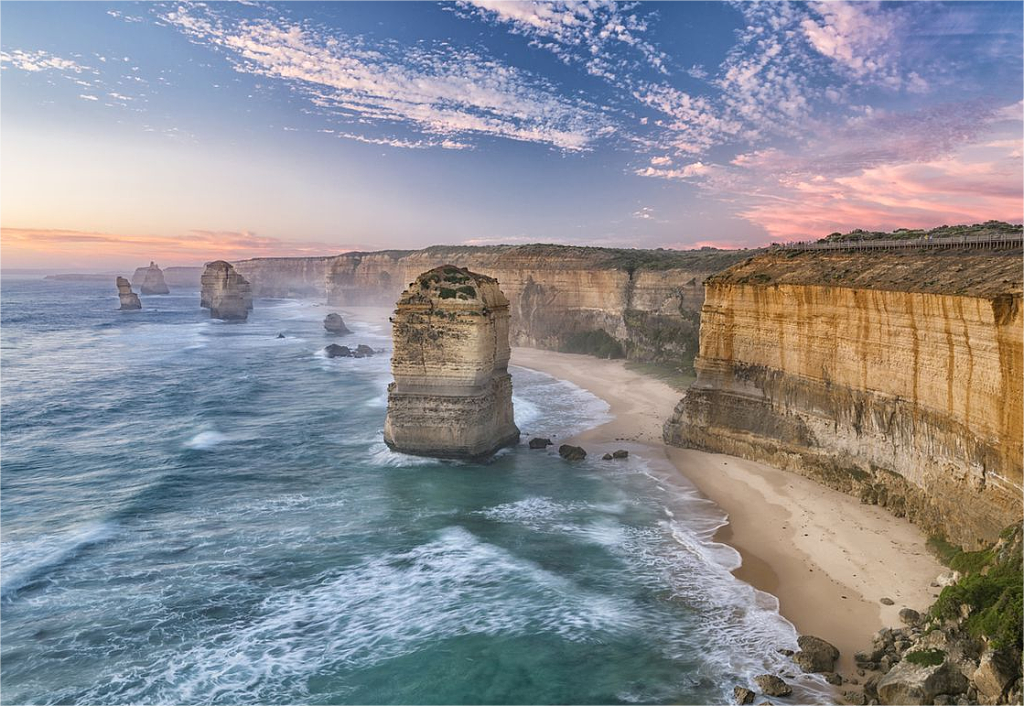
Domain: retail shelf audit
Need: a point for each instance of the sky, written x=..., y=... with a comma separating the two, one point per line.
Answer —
x=188, y=132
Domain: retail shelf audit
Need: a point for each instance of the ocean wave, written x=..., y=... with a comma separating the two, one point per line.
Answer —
x=25, y=564
x=206, y=440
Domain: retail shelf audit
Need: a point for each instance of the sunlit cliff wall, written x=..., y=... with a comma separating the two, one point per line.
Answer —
x=647, y=300
x=895, y=376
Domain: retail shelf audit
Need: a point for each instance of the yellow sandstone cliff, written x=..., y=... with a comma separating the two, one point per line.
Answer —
x=893, y=375
x=452, y=394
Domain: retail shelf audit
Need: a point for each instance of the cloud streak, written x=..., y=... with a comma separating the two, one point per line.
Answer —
x=442, y=92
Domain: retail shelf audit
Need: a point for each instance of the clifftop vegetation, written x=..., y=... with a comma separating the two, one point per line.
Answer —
x=986, y=228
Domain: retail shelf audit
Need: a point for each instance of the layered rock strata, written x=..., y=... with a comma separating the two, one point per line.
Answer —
x=129, y=299
x=150, y=280
x=645, y=303
x=452, y=394
x=225, y=292
x=895, y=375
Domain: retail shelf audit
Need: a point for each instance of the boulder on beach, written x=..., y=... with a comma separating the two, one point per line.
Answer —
x=815, y=655
x=742, y=695
x=909, y=616
x=538, y=442
x=129, y=299
x=571, y=453
x=621, y=453
x=909, y=683
x=771, y=685
x=333, y=323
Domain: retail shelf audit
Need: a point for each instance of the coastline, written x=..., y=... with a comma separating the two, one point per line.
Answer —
x=826, y=557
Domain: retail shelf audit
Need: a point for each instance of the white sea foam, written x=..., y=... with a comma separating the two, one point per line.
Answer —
x=28, y=562
x=206, y=440
x=381, y=609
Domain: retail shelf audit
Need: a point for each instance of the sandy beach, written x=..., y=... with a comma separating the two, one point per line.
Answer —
x=828, y=558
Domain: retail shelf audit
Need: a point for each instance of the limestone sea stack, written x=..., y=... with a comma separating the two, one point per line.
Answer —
x=333, y=323
x=225, y=292
x=129, y=299
x=150, y=280
x=452, y=394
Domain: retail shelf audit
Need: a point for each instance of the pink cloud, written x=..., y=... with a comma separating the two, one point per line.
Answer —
x=41, y=247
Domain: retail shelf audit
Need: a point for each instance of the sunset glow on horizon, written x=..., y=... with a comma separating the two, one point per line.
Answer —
x=183, y=133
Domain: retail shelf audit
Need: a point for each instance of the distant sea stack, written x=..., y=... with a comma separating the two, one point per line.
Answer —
x=129, y=299
x=225, y=292
x=452, y=394
x=150, y=280
x=333, y=323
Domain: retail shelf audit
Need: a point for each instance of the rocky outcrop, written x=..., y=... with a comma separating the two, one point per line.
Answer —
x=572, y=453
x=896, y=376
x=150, y=280
x=129, y=299
x=452, y=394
x=333, y=323
x=815, y=655
x=643, y=304
x=225, y=292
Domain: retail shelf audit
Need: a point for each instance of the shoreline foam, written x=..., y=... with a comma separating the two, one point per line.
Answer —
x=824, y=555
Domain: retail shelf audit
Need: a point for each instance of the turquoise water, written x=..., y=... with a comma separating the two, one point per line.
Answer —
x=200, y=512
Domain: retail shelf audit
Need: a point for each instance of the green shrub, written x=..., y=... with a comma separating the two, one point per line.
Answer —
x=467, y=290
x=926, y=658
x=447, y=293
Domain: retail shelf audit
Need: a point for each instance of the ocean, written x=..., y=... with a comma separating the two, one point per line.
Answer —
x=194, y=511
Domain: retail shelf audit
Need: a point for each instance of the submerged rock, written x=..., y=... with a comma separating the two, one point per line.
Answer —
x=225, y=293
x=606, y=457
x=333, y=323
x=539, y=443
x=571, y=453
x=150, y=280
x=365, y=350
x=129, y=299
x=452, y=394
x=336, y=351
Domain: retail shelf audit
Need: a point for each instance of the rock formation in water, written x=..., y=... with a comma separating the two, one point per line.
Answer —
x=642, y=304
x=894, y=375
x=225, y=292
x=333, y=323
x=452, y=394
x=129, y=299
x=150, y=280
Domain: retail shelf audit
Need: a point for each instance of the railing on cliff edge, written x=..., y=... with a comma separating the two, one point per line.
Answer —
x=962, y=241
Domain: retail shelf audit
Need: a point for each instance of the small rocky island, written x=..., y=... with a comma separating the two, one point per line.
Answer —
x=150, y=280
x=333, y=323
x=225, y=293
x=129, y=299
x=452, y=394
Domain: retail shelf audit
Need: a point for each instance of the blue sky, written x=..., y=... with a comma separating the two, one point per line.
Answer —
x=192, y=130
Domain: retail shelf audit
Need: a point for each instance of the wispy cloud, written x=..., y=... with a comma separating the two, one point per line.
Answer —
x=606, y=38
x=40, y=61
x=439, y=91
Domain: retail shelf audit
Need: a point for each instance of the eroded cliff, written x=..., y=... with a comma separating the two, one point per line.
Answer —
x=645, y=302
x=150, y=280
x=893, y=375
x=452, y=394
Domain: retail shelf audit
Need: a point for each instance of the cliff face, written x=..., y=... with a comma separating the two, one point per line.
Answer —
x=301, y=277
x=452, y=394
x=648, y=301
x=150, y=280
x=225, y=292
x=129, y=299
x=896, y=376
